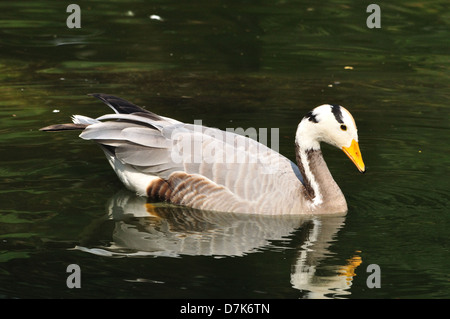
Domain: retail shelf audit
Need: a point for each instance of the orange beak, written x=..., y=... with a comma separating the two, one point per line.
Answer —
x=354, y=154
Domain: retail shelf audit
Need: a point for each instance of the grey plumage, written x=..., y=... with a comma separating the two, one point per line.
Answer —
x=163, y=147
x=242, y=168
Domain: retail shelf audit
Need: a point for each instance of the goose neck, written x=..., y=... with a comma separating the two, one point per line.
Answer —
x=319, y=186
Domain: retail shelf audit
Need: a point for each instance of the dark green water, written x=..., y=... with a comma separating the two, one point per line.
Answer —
x=230, y=64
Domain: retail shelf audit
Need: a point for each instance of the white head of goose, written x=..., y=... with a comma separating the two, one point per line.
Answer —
x=210, y=169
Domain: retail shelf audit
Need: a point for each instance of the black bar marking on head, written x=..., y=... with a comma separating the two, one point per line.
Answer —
x=336, y=110
x=310, y=116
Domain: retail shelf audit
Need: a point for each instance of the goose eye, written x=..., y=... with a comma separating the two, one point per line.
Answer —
x=344, y=127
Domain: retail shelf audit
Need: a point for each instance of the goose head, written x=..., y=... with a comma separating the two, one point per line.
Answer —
x=334, y=125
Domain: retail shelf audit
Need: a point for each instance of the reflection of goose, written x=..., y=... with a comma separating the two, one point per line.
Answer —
x=209, y=169
x=159, y=229
x=165, y=229
x=337, y=279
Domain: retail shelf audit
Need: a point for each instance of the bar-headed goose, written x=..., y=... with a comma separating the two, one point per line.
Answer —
x=210, y=169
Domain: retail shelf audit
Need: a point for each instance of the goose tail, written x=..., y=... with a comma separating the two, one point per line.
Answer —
x=80, y=122
x=63, y=127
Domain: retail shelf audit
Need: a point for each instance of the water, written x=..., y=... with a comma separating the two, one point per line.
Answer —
x=230, y=64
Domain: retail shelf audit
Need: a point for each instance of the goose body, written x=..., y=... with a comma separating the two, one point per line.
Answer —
x=210, y=169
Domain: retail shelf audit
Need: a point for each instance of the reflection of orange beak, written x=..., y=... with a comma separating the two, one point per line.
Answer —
x=354, y=154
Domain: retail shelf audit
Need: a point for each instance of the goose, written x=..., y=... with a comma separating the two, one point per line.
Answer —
x=210, y=169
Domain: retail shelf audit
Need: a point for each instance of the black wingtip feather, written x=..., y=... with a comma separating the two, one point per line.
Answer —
x=122, y=106
x=118, y=104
